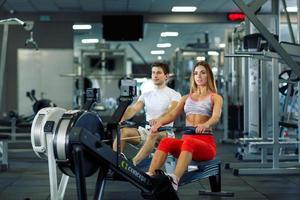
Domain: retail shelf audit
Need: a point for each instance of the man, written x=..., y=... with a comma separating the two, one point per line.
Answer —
x=157, y=103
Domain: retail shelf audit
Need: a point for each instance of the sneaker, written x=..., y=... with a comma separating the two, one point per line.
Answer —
x=173, y=178
x=123, y=156
x=174, y=181
x=128, y=159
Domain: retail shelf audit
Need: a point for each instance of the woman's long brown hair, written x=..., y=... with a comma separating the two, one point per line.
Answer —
x=210, y=78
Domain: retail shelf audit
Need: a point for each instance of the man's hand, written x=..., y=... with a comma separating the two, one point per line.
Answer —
x=201, y=128
x=155, y=126
x=152, y=122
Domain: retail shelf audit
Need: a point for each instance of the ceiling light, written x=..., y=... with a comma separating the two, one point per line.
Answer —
x=90, y=41
x=213, y=53
x=189, y=53
x=82, y=27
x=140, y=80
x=163, y=45
x=222, y=45
x=159, y=57
x=184, y=8
x=157, y=52
x=169, y=34
x=214, y=70
x=200, y=58
x=292, y=9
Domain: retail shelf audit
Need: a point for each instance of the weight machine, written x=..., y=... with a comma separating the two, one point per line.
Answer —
x=283, y=54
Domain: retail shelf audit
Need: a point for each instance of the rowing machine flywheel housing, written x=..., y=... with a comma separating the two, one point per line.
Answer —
x=44, y=122
x=62, y=146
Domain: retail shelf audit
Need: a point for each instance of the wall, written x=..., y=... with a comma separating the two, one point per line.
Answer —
x=48, y=35
x=44, y=72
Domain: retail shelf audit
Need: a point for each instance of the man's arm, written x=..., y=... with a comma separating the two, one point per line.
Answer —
x=132, y=110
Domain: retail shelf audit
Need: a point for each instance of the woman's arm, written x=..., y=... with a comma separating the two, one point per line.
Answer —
x=217, y=110
x=216, y=114
x=171, y=116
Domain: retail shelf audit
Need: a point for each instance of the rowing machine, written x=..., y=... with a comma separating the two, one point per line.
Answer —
x=79, y=151
x=42, y=134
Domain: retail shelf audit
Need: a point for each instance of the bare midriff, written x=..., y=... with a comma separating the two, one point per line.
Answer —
x=195, y=120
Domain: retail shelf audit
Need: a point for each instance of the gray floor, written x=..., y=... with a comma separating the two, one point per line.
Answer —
x=27, y=178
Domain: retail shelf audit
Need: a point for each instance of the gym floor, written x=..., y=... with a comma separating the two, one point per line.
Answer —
x=27, y=178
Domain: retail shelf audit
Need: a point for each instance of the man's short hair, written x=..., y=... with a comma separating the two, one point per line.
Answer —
x=164, y=66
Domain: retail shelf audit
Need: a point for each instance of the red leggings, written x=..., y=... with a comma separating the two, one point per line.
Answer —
x=202, y=147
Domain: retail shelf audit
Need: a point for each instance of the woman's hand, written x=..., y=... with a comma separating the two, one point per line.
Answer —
x=201, y=128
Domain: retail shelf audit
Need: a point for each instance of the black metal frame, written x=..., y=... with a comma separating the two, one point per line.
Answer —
x=82, y=141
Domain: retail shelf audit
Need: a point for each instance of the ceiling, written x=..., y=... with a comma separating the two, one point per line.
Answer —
x=190, y=27
x=124, y=6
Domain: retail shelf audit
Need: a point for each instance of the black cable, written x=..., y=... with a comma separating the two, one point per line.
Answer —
x=3, y=2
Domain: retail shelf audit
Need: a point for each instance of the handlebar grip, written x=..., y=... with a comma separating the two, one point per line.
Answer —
x=129, y=124
x=189, y=130
x=165, y=128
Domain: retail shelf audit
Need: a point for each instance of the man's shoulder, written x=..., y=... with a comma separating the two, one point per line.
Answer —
x=172, y=91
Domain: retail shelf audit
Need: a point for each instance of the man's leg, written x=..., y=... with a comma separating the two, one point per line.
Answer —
x=130, y=135
x=157, y=162
x=147, y=148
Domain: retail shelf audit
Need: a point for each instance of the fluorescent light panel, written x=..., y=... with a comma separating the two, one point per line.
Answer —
x=163, y=45
x=189, y=53
x=169, y=34
x=222, y=45
x=184, y=8
x=200, y=58
x=82, y=27
x=292, y=9
x=90, y=41
x=157, y=52
x=213, y=53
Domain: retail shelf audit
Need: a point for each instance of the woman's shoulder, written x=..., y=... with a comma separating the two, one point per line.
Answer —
x=216, y=96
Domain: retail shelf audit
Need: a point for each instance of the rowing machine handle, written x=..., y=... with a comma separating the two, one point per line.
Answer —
x=132, y=123
x=188, y=130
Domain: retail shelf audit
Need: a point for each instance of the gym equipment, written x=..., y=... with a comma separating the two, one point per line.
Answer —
x=76, y=118
x=257, y=42
x=201, y=169
x=287, y=79
x=80, y=151
x=38, y=104
x=269, y=124
x=43, y=129
x=16, y=128
x=42, y=134
x=6, y=22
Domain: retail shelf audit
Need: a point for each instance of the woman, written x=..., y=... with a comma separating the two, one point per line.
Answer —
x=202, y=107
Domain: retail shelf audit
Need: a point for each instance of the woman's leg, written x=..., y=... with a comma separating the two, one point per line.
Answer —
x=166, y=145
x=194, y=149
x=148, y=146
x=183, y=162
